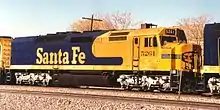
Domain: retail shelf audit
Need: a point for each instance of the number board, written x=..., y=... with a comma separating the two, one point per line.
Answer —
x=148, y=53
x=170, y=32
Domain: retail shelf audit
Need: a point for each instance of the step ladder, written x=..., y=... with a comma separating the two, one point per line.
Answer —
x=200, y=84
x=175, y=81
x=8, y=78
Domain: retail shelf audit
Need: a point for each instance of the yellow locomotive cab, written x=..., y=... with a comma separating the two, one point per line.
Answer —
x=162, y=54
x=165, y=51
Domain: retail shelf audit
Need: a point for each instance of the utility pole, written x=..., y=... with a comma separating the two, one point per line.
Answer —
x=92, y=19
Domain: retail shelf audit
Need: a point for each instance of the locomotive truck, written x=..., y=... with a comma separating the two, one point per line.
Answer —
x=147, y=58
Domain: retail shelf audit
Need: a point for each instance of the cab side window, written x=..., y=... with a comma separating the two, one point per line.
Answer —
x=155, y=42
x=146, y=42
x=150, y=42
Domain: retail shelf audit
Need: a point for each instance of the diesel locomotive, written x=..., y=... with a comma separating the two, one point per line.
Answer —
x=147, y=58
x=211, y=65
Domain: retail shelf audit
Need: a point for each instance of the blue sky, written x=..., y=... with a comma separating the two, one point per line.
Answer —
x=33, y=17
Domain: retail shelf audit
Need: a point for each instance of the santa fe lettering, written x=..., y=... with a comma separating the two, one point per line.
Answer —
x=60, y=57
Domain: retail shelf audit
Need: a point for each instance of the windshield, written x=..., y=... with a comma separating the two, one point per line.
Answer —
x=164, y=39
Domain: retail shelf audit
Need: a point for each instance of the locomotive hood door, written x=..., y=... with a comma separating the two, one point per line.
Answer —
x=136, y=45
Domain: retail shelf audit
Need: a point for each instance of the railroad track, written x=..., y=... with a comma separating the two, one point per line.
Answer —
x=203, y=105
x=111, y=89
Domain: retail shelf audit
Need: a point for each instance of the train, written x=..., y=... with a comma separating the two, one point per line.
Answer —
x=149, y=58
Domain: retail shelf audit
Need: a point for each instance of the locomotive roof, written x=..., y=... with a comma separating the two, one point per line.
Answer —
x=60, y=36
x=5, y=37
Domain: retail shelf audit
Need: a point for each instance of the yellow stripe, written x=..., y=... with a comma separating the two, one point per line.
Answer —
x=211, y=69
x=80, y=67
x=70, y=67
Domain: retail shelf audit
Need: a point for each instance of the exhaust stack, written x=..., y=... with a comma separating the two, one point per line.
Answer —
x=147, y=25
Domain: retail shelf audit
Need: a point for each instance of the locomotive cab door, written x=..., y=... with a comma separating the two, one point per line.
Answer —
x=149, y=51
x=136, y=53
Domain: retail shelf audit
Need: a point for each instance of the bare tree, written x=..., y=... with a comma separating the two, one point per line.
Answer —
x=194, y=28
x=121, y=20
x=109, y=21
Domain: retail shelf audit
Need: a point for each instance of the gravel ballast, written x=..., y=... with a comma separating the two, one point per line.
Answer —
x=12, y=101
x=36, y=102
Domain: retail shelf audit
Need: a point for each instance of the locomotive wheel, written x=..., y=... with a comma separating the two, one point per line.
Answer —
x=145, y=88
x=19, y=82
x=31, y=83
x=128, y=88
